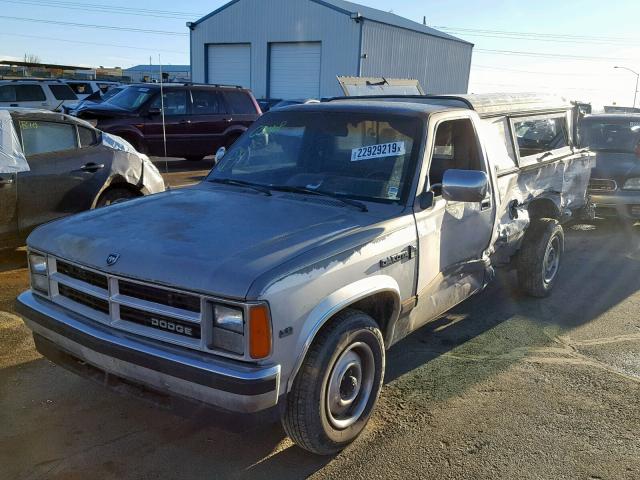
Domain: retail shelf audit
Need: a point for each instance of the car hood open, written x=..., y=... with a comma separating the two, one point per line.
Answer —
x=210, y=239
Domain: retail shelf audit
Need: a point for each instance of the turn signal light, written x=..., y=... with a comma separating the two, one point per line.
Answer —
x=259, y=332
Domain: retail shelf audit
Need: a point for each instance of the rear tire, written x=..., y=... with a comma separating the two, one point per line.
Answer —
x=337, y=386
x=540, y=256
x=115, y=195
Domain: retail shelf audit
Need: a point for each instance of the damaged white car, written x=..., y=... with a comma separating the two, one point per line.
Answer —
x=53, y=165
x=325, y=234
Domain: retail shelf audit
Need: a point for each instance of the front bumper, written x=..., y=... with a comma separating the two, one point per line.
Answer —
x=226, y=384
x=625, y=204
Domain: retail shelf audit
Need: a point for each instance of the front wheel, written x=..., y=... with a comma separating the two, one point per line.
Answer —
x=115, y=195
x=540, y=256
x=337, y=386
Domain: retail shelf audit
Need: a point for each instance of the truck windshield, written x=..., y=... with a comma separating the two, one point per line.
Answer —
x=362, y=156
x=131, y=98
x=611, y=135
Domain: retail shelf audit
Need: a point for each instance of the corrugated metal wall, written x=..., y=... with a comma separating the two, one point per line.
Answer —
x=260, y=22
x=442, y=66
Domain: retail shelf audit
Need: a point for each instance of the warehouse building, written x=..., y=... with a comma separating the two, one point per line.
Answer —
x=297, y=48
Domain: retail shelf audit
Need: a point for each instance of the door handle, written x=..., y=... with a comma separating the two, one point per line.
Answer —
x=227, y=120
x=184, y=122
x=92, y=167
x=14, y=105
x=486, y=204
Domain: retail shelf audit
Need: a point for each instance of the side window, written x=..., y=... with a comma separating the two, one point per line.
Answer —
x=175, y=102
x=500, y=144
x=87, y=137
x=30, y=93
x=62, y=92
x=81, y=88
x=7, y=93
x=47, y=137
x=206, y=102
x=538, y=135
x=456, y=147
x=240, y=102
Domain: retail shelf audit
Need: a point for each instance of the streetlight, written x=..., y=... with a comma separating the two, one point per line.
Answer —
x=635, y=92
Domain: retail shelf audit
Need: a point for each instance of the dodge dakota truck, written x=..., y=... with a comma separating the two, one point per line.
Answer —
x=324, y=235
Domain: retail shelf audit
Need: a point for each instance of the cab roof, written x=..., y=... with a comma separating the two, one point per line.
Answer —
x=355, y=105
x=485, y=105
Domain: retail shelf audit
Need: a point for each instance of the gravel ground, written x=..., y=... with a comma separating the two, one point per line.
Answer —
x=502, y=387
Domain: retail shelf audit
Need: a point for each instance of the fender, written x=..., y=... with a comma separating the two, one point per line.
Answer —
x=337, y=301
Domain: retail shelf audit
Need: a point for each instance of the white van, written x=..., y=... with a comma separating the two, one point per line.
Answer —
x=42, y=94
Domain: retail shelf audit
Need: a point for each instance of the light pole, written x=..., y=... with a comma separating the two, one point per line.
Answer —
x=635, y=92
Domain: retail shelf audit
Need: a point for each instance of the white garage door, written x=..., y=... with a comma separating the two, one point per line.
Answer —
x=295, y=70
x=230, y=65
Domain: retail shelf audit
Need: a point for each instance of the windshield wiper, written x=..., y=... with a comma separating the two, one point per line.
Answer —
x=241, y=183
x=309, y=191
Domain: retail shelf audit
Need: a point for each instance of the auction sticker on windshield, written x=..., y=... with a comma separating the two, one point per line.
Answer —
x=392, y=149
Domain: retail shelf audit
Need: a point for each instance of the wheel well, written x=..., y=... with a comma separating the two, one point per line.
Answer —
x=120, y=183
x=380, y=306
x=543, y=208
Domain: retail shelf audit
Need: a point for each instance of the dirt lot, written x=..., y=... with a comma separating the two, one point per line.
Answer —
x=502, y=387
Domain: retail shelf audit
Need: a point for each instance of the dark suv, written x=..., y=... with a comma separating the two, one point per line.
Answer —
x=199, y=119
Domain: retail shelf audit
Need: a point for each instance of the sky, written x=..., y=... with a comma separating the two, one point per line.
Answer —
x=580, y=41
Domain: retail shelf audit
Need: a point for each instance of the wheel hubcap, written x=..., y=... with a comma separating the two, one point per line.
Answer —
x=349, y=386
x=551, y=260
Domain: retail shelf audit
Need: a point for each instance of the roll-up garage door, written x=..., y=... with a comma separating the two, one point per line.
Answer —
x=229, y=64
x=295, y=70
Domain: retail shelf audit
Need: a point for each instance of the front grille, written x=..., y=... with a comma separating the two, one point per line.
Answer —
x=157, y=295
x=165, y=314
x=83, y=299
x=602, y=185
x=160, y=322
x=87, y=276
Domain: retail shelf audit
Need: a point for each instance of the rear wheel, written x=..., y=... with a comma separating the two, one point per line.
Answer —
x=115, y=195
x=540, y=256
x=337, y=386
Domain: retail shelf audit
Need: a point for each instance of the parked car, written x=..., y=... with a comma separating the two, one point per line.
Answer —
x=53, y=165
x=267, y=103
x=93, y=99
x=288, y=103
x=47, y=94
x=615, y=182
x=84, y=88
x=323, y=236
x=198, y=119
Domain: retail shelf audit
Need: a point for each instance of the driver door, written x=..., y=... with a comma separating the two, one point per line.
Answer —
x=452, y=236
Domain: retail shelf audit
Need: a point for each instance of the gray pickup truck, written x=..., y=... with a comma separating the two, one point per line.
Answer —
x=326, y=234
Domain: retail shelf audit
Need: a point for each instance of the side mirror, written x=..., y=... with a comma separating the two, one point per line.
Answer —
x=153, y=112
x=222, y=151
x=465, y=186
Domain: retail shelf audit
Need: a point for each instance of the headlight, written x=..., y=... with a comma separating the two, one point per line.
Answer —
x=228, y=318
x=231, y=329
x=632, y=184
x=228, y=329
x=39, y=273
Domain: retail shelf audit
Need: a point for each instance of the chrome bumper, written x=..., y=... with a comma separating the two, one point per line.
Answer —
x=222, y=383
x=619, y=203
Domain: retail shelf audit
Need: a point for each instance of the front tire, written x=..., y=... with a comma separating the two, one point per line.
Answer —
x=115, y=195
x=540, y=256
x=337, y=386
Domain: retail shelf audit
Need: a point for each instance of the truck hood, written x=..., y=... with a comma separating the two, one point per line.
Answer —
x=616, y=166
x=210, y=239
